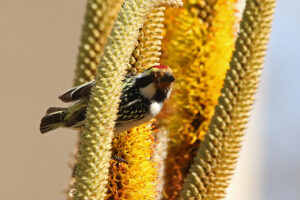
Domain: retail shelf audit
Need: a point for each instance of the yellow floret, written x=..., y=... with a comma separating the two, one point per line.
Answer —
x=198, y=45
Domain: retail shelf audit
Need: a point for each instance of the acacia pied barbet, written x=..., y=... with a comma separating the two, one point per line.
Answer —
x=142, y=99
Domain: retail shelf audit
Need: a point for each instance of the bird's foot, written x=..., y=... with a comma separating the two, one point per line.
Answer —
x=119, y=159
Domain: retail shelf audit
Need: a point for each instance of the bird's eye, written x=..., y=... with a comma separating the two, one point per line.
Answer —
x=168, y=78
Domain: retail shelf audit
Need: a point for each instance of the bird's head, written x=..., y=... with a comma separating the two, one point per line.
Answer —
x=155, y=83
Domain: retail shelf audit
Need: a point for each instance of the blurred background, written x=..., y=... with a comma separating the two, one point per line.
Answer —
x=38, y=47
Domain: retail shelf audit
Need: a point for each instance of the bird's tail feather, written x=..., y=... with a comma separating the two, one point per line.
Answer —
x=52, y=120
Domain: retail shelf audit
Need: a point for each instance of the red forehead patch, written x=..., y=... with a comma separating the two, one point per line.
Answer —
x=161, y=66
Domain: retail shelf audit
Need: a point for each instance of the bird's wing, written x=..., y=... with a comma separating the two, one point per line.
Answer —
x=78, y=92
x=134, y=110
x=84, y=90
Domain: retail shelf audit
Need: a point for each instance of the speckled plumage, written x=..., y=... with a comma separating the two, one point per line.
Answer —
x=141, y=100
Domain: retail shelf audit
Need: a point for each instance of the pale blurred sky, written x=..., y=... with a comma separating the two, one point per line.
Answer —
x=282, y=108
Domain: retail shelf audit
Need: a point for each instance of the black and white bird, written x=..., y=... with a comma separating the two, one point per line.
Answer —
x=141, y=100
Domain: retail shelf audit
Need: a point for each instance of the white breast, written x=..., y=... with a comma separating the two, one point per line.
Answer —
x=153, y=111
x=155, y=108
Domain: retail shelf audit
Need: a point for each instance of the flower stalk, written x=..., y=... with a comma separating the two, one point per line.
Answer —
x=94, y=151
x=216, y=158
x=137, y=179
x=99, y=18
x=95, y=139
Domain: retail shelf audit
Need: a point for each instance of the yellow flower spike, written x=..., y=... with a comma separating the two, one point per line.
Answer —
x=215, y=161
x=95, y=139
x=99, y=18
x=198, y=45
x=139, y=178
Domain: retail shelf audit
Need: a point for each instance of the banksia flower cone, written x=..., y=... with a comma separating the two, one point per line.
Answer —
x=215, y=161
x=198, y=45
x=137, y=179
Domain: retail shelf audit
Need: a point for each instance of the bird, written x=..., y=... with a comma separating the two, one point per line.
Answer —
x=141, y=99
